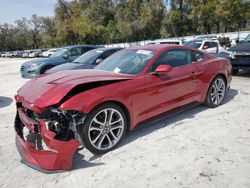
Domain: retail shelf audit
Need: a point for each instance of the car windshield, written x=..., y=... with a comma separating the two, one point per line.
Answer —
x=247, y=39
x=193, y=43
x=88, y=57
x=127, y=61
x=60, y=52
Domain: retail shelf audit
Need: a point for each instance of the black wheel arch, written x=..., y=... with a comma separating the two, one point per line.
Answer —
x=45, y=67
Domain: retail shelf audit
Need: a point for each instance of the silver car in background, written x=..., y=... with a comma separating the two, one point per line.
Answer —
x=36, y=67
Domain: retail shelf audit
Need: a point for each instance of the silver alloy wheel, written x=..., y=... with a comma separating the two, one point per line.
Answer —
x=218, y=91
x=106, y=129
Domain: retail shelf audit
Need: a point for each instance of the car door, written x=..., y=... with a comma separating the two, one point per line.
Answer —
x=167, y=91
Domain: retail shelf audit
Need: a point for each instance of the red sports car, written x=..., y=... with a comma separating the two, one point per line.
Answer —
x=95, y=108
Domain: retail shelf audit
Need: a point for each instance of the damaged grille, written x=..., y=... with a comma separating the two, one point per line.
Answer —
x=64, y=123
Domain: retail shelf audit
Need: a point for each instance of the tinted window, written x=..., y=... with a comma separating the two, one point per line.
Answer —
x=170, y=42
x=174, y=58
x=210, y=44
x=86, y=49
x=107, y=53
x=88, y=57
x=60, y=52
x=196, y=57
x=194, y=43
x=75, y=51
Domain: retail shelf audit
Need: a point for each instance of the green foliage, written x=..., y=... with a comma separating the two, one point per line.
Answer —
x=106, y=22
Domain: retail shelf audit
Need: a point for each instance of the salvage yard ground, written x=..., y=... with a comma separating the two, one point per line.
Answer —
x=200, y=148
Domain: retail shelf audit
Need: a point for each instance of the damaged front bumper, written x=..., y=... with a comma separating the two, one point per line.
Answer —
x=40, y=149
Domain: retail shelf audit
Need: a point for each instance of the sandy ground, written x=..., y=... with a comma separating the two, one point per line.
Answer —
x=201, y=147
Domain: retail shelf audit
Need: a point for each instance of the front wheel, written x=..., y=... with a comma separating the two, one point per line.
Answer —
x=104, y=128
x=216, y=92
x=45, y=69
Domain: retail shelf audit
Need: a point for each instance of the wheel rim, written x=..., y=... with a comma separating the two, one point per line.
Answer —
x=218, y=91
x=106, y=129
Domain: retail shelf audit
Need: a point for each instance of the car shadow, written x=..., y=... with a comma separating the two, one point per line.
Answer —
x=173, y=118
x=243, y=73
x=5, y=101
x=79, y=162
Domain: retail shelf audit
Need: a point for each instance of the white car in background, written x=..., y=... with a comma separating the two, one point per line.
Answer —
x=49, y=52
x=166, y=41
x=33, y=54
x=209, y=46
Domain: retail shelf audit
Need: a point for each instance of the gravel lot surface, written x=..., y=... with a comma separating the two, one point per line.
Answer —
x=200, y=147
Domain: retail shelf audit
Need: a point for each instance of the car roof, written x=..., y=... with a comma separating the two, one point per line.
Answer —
x=204, y=40
x=154, y=47
x=83, y=45
x=109, y=48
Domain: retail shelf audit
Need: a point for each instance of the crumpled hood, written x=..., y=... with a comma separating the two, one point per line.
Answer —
x=48, y=90
x=242, y=47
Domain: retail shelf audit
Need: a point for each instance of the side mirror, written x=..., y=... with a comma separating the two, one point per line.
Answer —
x=205, y=47
x=163, y=69
x=98, y=61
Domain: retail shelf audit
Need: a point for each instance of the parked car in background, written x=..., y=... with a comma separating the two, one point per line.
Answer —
x=34, y=53
x=36, y=67
x=3, y=54
x=25, y=54
x=18, y=54
x=49, y=52
x=209, y=46
x=209, y=37
x=86, y=61
x=166, y=41
x=240, y=55
x=97, y=107
x=40, y=53
x=11, y=54
x=7, y=54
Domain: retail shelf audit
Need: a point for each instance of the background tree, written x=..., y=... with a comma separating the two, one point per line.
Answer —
x=106, y=22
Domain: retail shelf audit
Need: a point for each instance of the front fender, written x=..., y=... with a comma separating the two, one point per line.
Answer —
x=86, y=101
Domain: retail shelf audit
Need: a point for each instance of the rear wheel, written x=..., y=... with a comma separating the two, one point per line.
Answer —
x=45, y=69
x=216, y=92
x=104, y=128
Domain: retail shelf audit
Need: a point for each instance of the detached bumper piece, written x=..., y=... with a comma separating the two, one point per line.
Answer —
x=57, y=158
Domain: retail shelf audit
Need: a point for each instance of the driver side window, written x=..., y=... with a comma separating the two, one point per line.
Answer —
x=75, y=52
x=174, y=58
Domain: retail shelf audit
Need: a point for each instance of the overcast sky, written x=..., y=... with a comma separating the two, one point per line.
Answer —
x=11, y=10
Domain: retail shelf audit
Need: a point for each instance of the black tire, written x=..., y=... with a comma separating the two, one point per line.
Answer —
x=210, y=94
x=44, y=69
x=85, y=134
x=235, y=71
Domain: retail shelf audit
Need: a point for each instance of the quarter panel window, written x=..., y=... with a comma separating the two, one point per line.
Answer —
x=196, y=56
